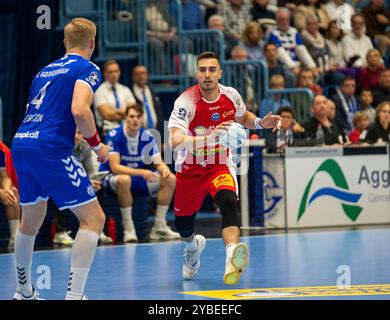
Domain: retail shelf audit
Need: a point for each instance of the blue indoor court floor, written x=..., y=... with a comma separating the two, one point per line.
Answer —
x=305, y=265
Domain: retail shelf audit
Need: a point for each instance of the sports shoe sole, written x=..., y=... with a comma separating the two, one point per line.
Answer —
x=239, y=261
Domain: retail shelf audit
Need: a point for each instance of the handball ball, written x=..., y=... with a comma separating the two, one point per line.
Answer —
x=234, y=136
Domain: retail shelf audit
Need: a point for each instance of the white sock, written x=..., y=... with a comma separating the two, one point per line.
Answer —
x=191, y=245
x=127, y=220
x=229, y=249
x=24, y=246
x=13, y=227
x=161, y=212
x=83, y=251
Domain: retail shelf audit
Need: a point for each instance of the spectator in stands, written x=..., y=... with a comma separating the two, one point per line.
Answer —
x=291, y=50
x=246, y=72
x=284, y=137
x=383, y=92
x=333, y=38
x=356, y=44
x=307, y=79
x=275, y=67
x=9, y=195
x=83, y=153
x=334, y=13
x=162, y=37
x=148, y=99
x=360, y=124
x=379, y=131
x=369, y=76
x=133, y=150
x=260, y=11
x=192, y=15
x=252, y=41
x=347, y=103
x=236, y=16
x=331, y=107
x=319, y=128
x=111, y=98
x=210, y=7
x=310, y=8
x=377, y=19
x=274, y=102
x=217, y=22
x=367, y=99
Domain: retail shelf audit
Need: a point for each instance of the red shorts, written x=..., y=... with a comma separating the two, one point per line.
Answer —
x=191, y=189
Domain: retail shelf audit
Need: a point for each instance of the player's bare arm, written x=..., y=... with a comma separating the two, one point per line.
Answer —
x=161, y=167
x=249, y=121
x=81, y=110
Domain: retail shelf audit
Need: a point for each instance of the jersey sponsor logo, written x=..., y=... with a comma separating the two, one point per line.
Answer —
x=223, y=180
x=207, y=152
x=46, y=74
x=182, y=113
x=33, y=118
x=200, y=130
x=227, y=113
x=215, y=116
x=112, y=133
x=28, y=134
x=214, y=108
x=93, y=78
x=90, y=191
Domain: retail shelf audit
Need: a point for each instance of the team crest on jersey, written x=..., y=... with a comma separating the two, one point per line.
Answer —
x=112, y=133
x=90, y=191
x=215, y=116
x=182, y=113
x=93, y=78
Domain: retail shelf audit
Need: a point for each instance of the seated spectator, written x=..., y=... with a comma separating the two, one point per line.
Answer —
x=251, y=41
x=274, y=102
x=307, y=8
x=356, y=44
x=217, y=22
x=333, y=38
x=284, y=137
x=347, y=103
x=383, y=92
x=260, y=12
x=360, y=124
x=133, y=149
x=111, y=98
x=275, y=67
x=319, y=128
x=236, y=16
x=291, y=49
x=369, y=76
x=366, y=99
x=377, y=20
x=379, y=131
x=307, y=79
x=210, y=7
x=9, y=195
x=332, y=8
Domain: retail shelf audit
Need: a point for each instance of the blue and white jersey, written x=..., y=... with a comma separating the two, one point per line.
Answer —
x=135, y=152
x=48, y=124
x=2, y=160
x=288, y=40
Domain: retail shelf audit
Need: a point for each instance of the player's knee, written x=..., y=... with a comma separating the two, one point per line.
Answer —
x=171, y=182
x=227, y=203
x=185, y=225
x=124, y=181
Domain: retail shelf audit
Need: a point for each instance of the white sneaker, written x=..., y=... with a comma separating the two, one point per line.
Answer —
x=20, y=296
x=103, y=239
x=129, y=236
x=191, y=259
x=163, y=232
x=63, y=238
x=236, y=263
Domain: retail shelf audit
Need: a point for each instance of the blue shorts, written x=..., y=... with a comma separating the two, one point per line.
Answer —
x=139, y=186
x=62, y=178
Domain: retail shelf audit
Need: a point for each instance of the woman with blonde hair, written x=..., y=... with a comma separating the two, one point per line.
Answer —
x=252, y=41
x=379, y=131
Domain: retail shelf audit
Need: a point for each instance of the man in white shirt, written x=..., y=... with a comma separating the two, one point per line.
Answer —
x=342, y=12
x=111, y=98
x=356, y=43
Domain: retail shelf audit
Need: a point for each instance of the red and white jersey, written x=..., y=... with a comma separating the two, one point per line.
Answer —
x=197, y=116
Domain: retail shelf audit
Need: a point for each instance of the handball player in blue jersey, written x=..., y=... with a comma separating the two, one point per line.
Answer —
x=60, y=100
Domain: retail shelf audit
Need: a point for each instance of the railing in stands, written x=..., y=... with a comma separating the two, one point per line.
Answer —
x=69, y=9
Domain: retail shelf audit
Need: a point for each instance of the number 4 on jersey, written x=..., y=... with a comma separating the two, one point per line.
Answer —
x=38, y=99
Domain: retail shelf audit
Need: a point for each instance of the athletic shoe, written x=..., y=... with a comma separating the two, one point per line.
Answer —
x=236, y=263
x=63, y=238
x=103, y=239
x=129, y=236
x=34, y=296
x=192, y=259
x=163, y=232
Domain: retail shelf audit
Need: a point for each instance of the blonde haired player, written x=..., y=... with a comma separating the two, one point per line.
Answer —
x=60, y=98
x=201, y=115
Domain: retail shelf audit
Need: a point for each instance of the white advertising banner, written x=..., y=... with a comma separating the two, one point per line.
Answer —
x=274, y=197
x=337, y=190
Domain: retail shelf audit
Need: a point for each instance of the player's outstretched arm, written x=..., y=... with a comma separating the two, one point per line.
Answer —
x=81, y=110
x=250, y=121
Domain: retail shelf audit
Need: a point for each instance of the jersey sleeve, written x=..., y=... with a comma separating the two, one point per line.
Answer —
x=91, y=76
x=181, y=115
x=238, y=102
x=112, y=141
